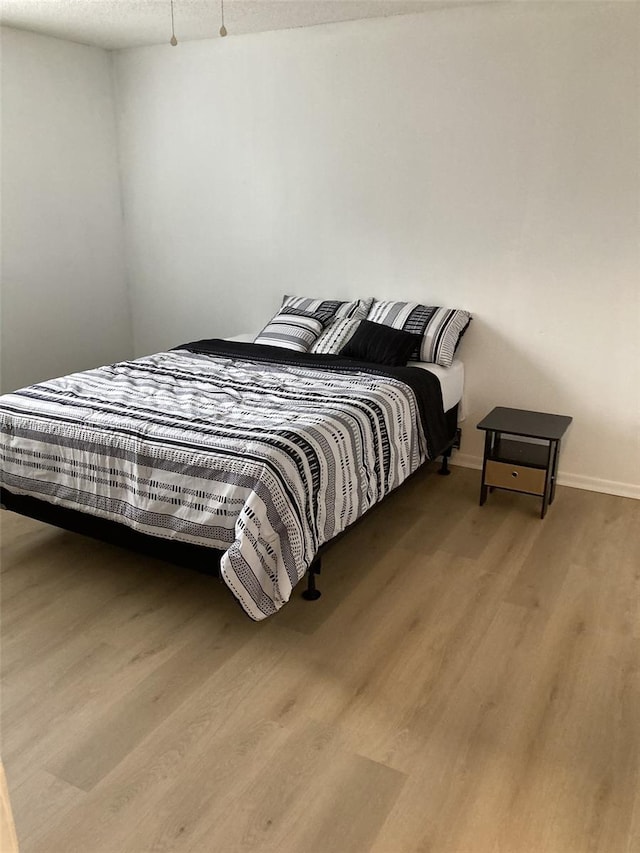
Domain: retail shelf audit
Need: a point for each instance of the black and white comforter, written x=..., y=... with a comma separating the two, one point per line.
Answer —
x=257, y=451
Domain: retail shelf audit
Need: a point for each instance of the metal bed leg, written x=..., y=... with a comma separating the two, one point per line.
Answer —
x=311, y=593
x=444, y=468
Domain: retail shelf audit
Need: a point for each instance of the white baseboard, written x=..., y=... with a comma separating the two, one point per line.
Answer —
x=465, y=460
x=594, y=484
x=574, y=481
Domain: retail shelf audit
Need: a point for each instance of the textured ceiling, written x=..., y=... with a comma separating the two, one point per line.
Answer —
x=114, y=24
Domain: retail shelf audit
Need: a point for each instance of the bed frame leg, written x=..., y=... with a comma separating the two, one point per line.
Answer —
x=444, y=468
x=311, y=593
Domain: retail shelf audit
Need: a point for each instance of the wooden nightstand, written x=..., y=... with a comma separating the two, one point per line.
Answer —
x=517, y=465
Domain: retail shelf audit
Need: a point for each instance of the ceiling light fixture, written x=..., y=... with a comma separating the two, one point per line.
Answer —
x=173, y=41
x=223, y=29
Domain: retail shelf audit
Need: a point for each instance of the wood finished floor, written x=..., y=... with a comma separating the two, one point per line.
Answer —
x=468, y=683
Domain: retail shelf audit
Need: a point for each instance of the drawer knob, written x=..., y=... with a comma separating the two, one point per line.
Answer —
x=514, y=473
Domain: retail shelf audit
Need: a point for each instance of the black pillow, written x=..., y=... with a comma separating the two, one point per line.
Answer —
x=380, y=344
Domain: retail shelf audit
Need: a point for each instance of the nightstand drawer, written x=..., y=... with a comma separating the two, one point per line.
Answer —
x=516, y=477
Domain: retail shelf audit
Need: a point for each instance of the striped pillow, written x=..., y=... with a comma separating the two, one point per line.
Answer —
x=337, y=335
x=331, y=307
x=292, y=330
x=440, y=328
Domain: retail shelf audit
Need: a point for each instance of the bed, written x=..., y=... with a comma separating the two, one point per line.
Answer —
x=239, y=458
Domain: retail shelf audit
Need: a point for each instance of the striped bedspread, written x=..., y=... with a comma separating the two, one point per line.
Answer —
x=220, y=445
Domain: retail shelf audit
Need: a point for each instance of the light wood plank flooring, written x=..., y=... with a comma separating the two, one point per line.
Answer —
x=469, y=682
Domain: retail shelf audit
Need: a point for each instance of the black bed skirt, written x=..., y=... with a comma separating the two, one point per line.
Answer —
x=196, y=557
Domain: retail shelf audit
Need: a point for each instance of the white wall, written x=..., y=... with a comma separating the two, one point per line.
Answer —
x=486, y=158
x=64, y=298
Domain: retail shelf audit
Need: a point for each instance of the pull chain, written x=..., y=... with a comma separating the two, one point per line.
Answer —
x=223, y=29
x=173, y=41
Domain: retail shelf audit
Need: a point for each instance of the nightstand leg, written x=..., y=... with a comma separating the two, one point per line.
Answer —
x=488, y=440
x=554, y=475
x=548, y=482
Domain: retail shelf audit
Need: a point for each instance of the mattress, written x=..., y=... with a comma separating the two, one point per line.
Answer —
x=451, y=378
